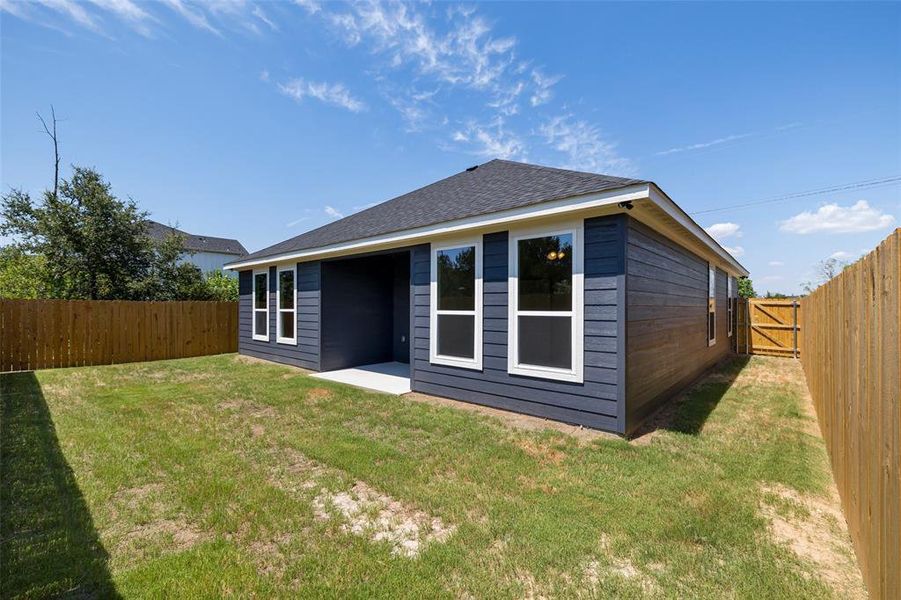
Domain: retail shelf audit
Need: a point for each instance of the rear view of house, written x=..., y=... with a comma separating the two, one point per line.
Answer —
x=573, y=296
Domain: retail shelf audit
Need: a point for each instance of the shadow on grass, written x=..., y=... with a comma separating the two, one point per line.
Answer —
x=690, y=409
x=47, y=537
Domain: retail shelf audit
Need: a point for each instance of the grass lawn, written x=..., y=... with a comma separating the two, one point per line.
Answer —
x=221, y=476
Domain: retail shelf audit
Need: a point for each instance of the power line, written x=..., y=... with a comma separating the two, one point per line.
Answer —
x=858, y=185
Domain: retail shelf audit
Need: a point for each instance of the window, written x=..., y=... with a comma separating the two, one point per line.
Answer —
x=711, y=305
x=456, y=304
x=284, y=298
x=261, y=305
x=545, y=304
x=730, y=311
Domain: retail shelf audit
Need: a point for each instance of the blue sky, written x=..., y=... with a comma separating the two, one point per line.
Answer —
x=260, y=120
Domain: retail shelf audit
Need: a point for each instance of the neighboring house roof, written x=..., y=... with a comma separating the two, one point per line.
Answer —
x=197, y=243
x=497, y=186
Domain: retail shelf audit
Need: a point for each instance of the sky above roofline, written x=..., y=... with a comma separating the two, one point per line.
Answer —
x=259, y=120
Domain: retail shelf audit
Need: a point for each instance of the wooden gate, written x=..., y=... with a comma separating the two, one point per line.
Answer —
x=768, y=326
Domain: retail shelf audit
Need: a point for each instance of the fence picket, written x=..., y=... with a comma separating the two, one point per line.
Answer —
x=38, y=334
x=851, y=354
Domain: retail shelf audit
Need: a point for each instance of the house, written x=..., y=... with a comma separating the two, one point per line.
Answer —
x=207, y=253
x=573, y=296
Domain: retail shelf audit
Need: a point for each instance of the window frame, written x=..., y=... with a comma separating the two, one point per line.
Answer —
x=576, y=314
x=475, y=362
x=711, y=304
x=278, y=305
x=262, y=337
x=730, y=306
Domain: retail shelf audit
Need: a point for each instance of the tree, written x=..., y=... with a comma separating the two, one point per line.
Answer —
x=825, y=270
x=22, y=275
x=746, y=288
x=95, y=245
x=222, y=287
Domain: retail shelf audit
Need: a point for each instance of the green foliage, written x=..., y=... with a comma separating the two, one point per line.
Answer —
x=84, y=243
x=777, y=295
x=22, y=275
x=746, y=288
x=94, y=245
x=222, y=287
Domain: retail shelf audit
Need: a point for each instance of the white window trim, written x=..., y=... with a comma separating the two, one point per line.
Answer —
x=455, y=361
x=577, y=314
x=263, y=337
x=278, y=305
x=711, y=284
x=730, y=305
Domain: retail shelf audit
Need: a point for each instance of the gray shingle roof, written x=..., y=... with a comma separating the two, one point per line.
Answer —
x=197, y=243
x=494, y=186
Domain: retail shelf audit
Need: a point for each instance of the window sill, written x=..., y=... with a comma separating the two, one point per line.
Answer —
x=462, y=363
x=286, y=341
x=261, y=338
x=711, y=343
x=546, y=373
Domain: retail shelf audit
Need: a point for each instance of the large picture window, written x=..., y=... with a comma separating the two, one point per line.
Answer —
x=285, y=298
x=711, y=305
x=545, y=304
x=261, y=305
x=456, y=304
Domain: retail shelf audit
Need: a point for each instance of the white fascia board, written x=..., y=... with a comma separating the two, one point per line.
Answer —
x=660, y=198
x=409, y=236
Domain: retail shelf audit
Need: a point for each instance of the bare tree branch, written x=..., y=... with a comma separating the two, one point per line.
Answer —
x=52, y=135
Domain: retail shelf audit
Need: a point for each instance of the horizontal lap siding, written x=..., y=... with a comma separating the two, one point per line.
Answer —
x=306, y=353
x=666, y=307
x=595, y=403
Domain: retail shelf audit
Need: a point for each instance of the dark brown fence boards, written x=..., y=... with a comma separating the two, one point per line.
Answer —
x=851, y=353
x=45, y=334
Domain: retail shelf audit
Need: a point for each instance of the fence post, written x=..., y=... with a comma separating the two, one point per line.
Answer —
x=795, y=328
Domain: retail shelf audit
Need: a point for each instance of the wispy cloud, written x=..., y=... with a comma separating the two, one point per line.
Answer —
x=73, y=10
x=699, y=146
x=728, y=138
x=832, y=218
x=333, y=212
x=841, y=255
x=583, y=146
x=543, y=87
x=776, y=263
x=492, y=140
x=130, y=12
x=262, y=16
x=193, y=16
x=330, y=93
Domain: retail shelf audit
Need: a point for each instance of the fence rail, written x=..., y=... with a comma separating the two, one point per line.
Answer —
x=43, y=334
x=850, y=353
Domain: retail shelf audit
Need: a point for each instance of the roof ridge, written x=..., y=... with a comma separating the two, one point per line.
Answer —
x=562, y=170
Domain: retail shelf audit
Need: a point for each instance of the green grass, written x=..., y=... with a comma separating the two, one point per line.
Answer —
x=197, y=478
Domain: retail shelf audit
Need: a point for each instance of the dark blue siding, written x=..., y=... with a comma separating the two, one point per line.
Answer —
x=598, y=402
x=666, y=297
x=306, y=353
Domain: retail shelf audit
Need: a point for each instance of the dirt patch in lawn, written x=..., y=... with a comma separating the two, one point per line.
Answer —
x=367, y=512
x=814, y=529
x=541, y=450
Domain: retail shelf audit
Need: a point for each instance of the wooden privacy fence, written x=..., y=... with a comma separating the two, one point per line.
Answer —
x=43, y=334
x=850, y=354
x=768, y=326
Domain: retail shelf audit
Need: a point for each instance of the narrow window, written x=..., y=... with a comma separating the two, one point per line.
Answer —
x=456, y=305
x=285, y=298
x=711, y=305
x=731, y=305
x=545, y=296
x=261, y=305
